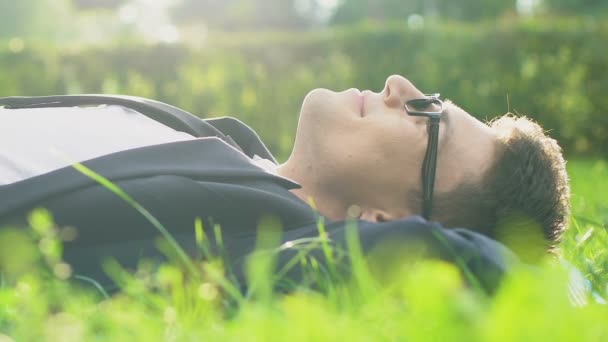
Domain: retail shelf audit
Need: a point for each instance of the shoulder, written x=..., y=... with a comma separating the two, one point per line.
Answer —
x=482, y=261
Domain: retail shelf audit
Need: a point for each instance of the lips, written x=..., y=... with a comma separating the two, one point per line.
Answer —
x=364, y=98
x=362, y=104
x=359, y=100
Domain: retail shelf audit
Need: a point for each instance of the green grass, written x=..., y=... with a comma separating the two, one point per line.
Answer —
x=426, y=301
x=585, y=244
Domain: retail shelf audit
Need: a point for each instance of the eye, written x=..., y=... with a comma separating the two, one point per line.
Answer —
x=420, y=104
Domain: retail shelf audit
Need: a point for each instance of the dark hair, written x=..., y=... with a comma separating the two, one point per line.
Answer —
x=523, y=196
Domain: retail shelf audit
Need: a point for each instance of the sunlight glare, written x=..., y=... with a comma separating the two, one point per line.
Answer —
x=527, y=7
x=328, y=3
x=168, y=34
x=127, y=13
x=415, y=21
x=151, y=19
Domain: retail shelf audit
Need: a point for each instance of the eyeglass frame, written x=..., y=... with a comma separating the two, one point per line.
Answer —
x=429, y=164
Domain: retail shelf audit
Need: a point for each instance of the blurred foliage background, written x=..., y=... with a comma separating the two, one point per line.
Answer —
x=257, y=59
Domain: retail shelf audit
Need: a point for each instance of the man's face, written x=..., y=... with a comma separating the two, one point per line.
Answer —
x=364, y=147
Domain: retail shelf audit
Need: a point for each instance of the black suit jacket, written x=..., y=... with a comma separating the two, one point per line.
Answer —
x=212, y=178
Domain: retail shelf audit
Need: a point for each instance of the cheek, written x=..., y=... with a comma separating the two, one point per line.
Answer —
x=399, y=154
x=384, y=154
x=395, y=141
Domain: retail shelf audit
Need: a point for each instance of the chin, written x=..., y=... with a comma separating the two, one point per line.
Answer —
x=317, y=122
x=324, y=106
x=318, y=102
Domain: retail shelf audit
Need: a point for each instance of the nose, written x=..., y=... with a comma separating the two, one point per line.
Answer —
x=399, y=89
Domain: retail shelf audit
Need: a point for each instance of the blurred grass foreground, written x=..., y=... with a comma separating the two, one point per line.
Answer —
x=256, y=60
x=427, y=301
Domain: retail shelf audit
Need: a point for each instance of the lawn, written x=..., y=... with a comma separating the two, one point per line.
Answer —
x=425, y=302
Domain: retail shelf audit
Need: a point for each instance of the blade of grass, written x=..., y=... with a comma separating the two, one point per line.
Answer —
x=468, y=274
x=94, y=283
x=143, y=211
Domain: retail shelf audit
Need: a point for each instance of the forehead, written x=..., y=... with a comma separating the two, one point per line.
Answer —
x=466, y=148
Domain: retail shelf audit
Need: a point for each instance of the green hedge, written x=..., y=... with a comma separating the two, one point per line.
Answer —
x=554, y=71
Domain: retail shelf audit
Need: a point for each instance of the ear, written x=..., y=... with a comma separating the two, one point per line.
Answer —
x=376, y=215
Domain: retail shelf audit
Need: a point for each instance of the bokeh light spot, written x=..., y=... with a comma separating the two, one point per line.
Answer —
x=16, y=45
x=415, y=21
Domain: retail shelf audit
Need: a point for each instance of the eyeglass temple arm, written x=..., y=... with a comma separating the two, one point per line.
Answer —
x=430, y=164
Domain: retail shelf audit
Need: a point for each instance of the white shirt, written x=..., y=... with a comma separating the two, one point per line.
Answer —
x=34, y=141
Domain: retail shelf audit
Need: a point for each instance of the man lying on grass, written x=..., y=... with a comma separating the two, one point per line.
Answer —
x=414, y=172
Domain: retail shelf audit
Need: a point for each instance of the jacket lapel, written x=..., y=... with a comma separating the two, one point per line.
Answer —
x=208, y=159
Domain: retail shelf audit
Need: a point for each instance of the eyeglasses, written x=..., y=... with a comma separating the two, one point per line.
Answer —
x=424, y=107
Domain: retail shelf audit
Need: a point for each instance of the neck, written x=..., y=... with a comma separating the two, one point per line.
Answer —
x=312, y=191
